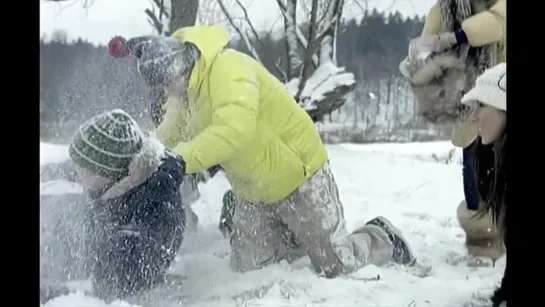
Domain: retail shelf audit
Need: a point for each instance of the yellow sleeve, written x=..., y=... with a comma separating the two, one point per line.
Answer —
x=234, y=96
x=432, y=25
x=170, y=130
x=486, y=27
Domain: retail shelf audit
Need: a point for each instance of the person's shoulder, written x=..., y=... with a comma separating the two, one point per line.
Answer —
x=233, y=58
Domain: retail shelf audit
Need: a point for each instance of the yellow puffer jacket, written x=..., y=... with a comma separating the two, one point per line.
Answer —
x=487, y=27
x=242, y=118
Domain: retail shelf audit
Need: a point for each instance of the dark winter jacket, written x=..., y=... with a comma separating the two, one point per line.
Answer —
x=484, y=169
x=475, y=191
x=137, y=225
x=471, y=194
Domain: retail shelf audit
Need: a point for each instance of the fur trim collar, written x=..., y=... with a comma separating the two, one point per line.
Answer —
x=141, y=168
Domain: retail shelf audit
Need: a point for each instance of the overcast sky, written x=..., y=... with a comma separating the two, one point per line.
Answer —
x=106, y=18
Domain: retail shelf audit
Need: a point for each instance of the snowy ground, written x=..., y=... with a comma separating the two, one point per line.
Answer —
x=403, y=182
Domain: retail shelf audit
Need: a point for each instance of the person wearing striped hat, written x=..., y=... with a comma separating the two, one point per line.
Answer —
x=133, y=184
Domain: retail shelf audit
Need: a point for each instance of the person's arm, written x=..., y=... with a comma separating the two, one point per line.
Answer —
x=484, y=28
x=432, y=25
x=235, y=101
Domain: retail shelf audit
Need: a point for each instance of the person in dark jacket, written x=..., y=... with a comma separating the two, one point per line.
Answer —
x=135, y=219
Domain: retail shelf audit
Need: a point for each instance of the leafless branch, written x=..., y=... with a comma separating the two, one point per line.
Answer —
x=85, y=3
x=247, y=18
x=239, y=31
x=245, y=37
x=154, y=21
x=300, y=36
x=277, y=65
x=311, y=47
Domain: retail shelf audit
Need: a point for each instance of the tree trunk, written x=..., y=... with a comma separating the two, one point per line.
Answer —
x=183, y=13
x=328, y=36
x=312, y=46
x=389, y=90
x=290, y=28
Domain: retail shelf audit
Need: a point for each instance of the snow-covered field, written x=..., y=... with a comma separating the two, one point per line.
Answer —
x=400, y=181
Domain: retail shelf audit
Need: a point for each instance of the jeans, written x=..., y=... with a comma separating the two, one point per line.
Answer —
x=471, y=193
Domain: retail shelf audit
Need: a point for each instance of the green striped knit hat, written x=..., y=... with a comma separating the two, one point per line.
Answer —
x=107, y=143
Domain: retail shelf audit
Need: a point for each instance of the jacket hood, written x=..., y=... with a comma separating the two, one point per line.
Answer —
x=210, y=40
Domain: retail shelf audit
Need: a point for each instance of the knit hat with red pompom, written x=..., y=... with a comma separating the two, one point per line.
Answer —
x=160, y=59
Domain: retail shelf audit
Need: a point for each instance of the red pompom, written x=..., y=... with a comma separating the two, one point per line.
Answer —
x=117, y=47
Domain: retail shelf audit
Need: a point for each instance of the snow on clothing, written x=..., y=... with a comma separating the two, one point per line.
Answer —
x=136, y=217
x=311, y=222
x=133, y=229
x=485, y=32
x=106, y=144
x=241, y=117
x=138, y=227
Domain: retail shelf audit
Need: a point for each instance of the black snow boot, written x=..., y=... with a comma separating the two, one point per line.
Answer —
x=402, y=252
x=227, y=213
x=500, y=295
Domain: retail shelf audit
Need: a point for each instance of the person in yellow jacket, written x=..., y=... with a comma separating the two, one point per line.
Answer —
x=226, y=109
x=484, y=30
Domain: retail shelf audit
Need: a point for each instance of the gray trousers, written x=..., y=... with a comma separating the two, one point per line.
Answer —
x=314, y=214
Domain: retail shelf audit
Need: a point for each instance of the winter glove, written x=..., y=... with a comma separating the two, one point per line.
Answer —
x=227, y=212
x=179, y=159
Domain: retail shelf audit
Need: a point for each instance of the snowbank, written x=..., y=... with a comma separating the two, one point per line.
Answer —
x=52, y=153
x=324, y=80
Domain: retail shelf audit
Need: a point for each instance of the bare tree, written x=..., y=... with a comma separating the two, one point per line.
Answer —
x=164, y=15
x=85, y=3
x=313, y=77
x=168, y=15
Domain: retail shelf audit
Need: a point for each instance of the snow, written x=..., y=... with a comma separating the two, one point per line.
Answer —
x=52, y=153
x=325, y=79
x=400, y=181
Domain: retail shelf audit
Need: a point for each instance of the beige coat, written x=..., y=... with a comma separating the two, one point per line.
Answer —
x=482, y=236
x=487, y=27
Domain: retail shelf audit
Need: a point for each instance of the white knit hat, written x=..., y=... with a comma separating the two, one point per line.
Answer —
x=490, y=88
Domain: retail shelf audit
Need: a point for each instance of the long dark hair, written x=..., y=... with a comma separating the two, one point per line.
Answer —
x=494, y=196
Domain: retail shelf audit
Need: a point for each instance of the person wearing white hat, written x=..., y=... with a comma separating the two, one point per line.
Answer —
x=488, y=102
x=488, y=99
x=459, y=41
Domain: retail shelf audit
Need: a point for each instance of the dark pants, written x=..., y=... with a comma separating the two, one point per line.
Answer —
x=471, y=193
